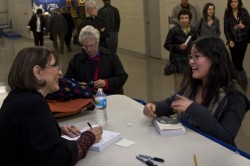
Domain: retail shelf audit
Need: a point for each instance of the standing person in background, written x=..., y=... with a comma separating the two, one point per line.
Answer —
x=183, y=5
x=37, y=26
x=176, y=38
x=31, y=133
x=209, y=24
x=112, y=18
x=71, y=27
x=236, y=29
x=97, y=22
x=57, y=26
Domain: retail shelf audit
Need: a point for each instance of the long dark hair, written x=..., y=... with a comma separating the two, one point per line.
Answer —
x=229, y=10
x=205, y=10
x=21, y=74
x=221, y=72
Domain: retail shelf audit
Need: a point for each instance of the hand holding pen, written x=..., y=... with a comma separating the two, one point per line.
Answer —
x=97, y=131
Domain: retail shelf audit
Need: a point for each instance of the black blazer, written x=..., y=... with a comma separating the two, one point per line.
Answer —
x=32, y=23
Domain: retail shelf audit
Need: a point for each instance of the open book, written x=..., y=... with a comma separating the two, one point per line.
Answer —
x=168, y=126
x=108, y=138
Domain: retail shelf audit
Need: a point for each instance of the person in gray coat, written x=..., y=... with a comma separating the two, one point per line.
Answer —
x=57, y=27
x=208, y=24
x=183, y=5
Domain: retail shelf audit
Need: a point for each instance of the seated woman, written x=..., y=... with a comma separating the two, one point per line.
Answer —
x=176, y=41
x=30, y=134
x=211, y=98
x=96, y=64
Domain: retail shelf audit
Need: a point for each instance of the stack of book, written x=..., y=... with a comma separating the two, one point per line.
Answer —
x=168, y=126
x=108, y=138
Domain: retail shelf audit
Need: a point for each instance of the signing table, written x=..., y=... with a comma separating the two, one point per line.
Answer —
x=125, y=116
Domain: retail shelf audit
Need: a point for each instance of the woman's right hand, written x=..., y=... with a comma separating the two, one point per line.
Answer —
x=183, y=46
x=149, y=110
x=97, y=131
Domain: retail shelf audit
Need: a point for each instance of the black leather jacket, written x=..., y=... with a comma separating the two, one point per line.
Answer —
x=111, y=16
x=239, y=35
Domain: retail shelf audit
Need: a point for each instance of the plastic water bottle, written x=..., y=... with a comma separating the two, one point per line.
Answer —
x=100, y=107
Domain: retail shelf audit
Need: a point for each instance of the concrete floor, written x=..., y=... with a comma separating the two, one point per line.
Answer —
x=146, y=79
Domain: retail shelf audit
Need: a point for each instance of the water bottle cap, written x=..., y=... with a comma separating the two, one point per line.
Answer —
x=99, y=89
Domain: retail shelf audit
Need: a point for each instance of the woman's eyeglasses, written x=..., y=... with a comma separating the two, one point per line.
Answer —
x=89, y=46
x=58, y=68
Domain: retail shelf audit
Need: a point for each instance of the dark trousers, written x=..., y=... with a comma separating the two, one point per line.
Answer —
x=238, y=54
x=38, y=38
x=114, y=41
x=67, y=38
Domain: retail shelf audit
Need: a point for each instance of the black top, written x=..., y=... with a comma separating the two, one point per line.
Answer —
x=110, y=68
x=177, y=36
x=70, y=22
x=98, y=23
x=33, y=25
x=30, y=135
x=111, y=16
x=239, y=35
x=224, y=124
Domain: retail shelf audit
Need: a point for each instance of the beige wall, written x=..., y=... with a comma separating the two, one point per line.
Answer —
x=3, y=5
x=132, y=31
x=20, y=13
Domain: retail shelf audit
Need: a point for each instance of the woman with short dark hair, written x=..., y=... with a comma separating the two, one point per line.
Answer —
x=31, y=134
x=176, y=41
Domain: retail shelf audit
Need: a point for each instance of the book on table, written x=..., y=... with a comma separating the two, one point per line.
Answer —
x=108, y=138
x=168, y=126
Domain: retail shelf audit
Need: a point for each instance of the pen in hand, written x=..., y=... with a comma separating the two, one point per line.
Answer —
x=89, y=125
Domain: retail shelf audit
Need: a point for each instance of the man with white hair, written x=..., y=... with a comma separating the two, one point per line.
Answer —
x=96, y=21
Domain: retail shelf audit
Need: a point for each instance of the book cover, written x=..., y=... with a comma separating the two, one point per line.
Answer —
x=168, y=126
x=108, y=138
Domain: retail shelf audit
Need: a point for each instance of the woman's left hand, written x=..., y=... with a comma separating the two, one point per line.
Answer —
x=181, y=103
x=70, y=131
x=239, y=26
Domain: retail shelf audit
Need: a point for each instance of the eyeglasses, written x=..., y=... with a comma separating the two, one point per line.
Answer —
x=91, y=46
x=91, y=8
x=58, y=68
x=194, y=57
